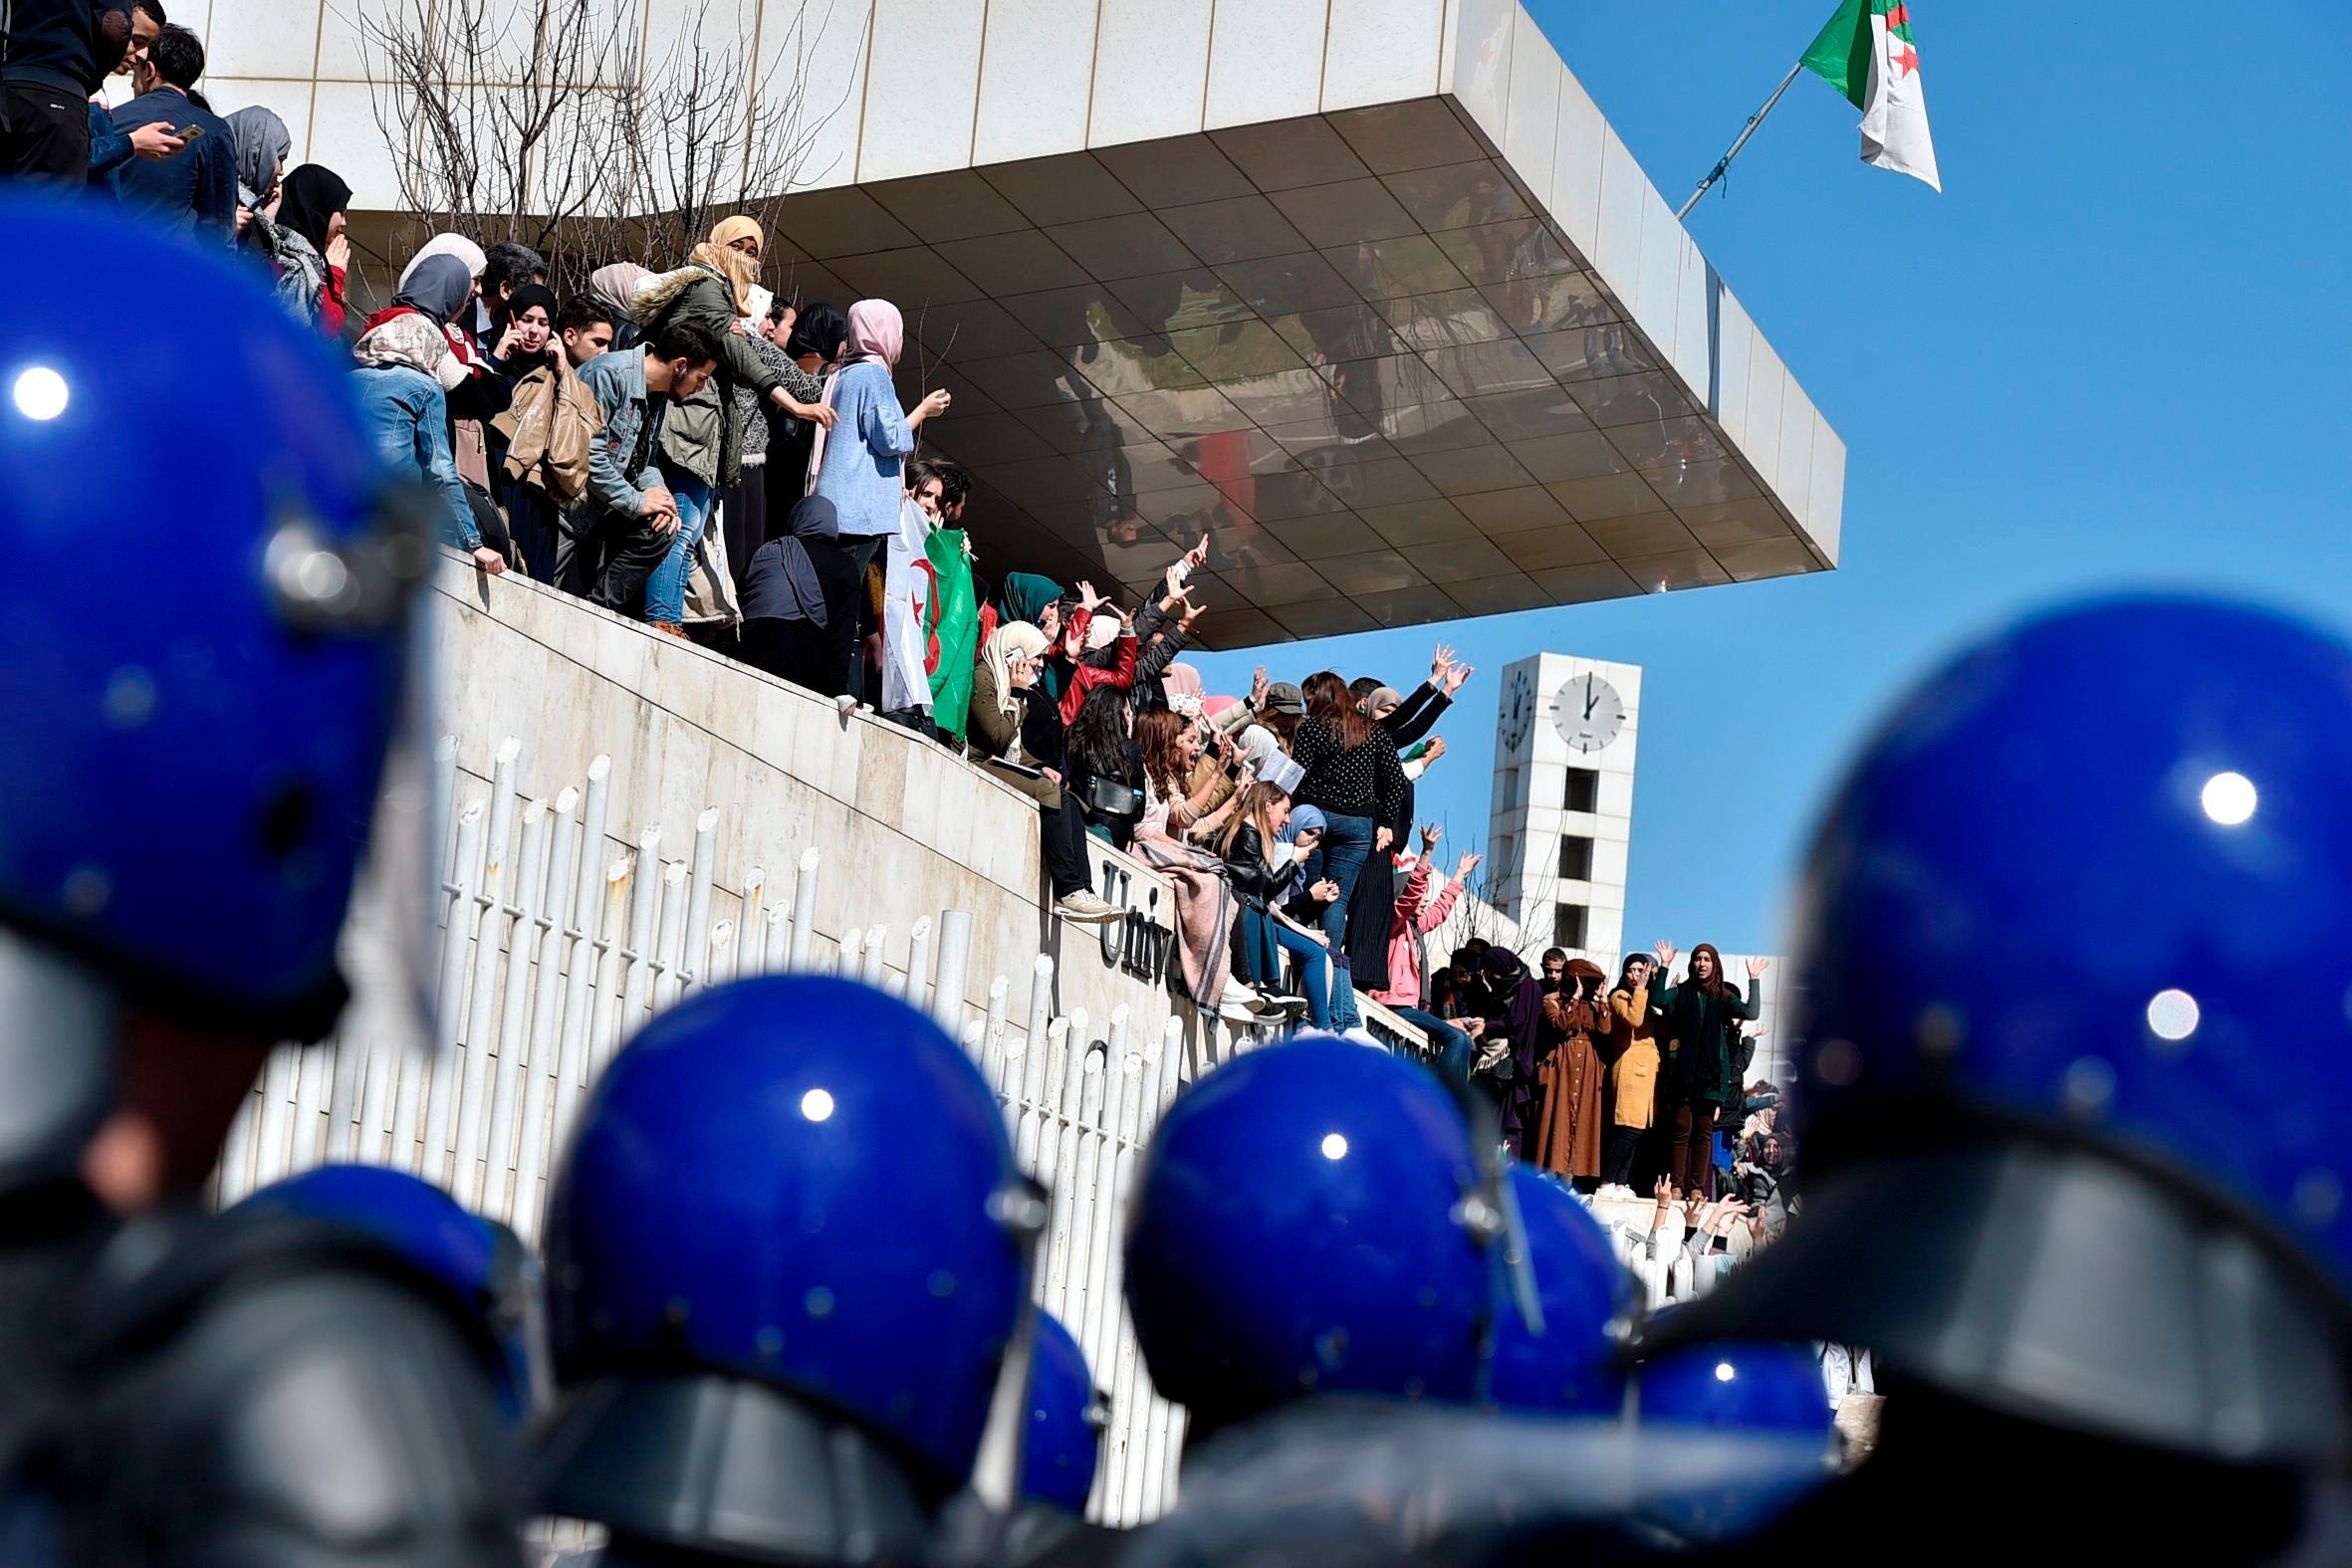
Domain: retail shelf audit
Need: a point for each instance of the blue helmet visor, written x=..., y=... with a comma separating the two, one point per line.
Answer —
x=390, y=950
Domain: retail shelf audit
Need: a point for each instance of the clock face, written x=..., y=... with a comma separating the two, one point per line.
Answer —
x=1589, y=713
x=1517, y=712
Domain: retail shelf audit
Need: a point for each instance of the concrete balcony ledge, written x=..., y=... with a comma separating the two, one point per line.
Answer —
x=904, y=829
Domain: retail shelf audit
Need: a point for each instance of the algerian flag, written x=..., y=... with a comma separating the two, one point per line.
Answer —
x=1868, y=54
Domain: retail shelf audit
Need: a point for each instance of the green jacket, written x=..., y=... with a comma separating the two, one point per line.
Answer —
x=1700, y=1057
x=701, y=434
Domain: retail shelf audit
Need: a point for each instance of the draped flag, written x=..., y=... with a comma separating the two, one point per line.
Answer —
x=1868, y=53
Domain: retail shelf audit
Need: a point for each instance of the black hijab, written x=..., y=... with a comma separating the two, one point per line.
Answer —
x=527, y=295
x=820, y=330
x=313, y=195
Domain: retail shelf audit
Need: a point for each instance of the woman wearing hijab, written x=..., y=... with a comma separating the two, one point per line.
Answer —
x=1568, y=1127
x=799, y=594
x=442, y=287
x=701, y=450
x=858, y=463
x=538, y=448
x=1027, y=596
x=445, y=244
x=312, y=209
x=1512, y=1004
x=1003, y=686
x=615, y=289
x=1634, y=1021
x=1702, y=1068
x=263, y=144
x=405, y=368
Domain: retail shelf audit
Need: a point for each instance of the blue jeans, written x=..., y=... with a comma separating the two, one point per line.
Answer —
x=1347, y=841
x=1455, y=1052
x=665, y=590
x=1344, y=1013
x=1264, y=941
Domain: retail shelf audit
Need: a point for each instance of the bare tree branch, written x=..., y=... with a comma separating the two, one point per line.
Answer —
x=545, y=122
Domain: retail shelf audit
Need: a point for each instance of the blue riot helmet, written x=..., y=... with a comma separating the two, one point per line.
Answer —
x=1566, y=1360
x=1752, y=1386
x=2074, y=969
x=1315, y=1218
x=1063, y=1438
x=482, y=1263
x=789, y=1219
x=201, y=725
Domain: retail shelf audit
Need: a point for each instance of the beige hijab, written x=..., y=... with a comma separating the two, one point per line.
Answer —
x=1014, y=638
x=742, y=272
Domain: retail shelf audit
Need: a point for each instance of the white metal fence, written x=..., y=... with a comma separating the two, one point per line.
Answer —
x=553, y=952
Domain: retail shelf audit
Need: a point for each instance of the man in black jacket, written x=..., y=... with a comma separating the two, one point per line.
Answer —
x=56, y=54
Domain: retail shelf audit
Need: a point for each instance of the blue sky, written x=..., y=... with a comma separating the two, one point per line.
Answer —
x=2114, y=354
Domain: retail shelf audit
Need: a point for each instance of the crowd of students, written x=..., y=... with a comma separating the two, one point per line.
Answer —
x=1608, y=1084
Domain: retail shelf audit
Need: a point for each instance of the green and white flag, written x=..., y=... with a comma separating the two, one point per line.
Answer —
x=1867, y=53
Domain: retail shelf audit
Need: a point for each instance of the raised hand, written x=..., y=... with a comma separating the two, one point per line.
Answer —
x=1430, y=834
x=1257, y=685
x=1756, y=967
x=1455, y=676
x=1198, y=555
x=1465, y=866
x=1088, y=600
x=1665, y=952
x=1440, y=662
x=1437, y=749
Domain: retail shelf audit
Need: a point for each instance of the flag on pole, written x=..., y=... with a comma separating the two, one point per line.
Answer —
x=1867, y=52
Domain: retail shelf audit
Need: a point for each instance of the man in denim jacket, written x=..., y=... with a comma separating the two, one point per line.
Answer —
x=620, y=531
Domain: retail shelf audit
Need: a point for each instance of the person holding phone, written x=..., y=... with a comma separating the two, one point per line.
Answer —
x=1576, y=1012
x=193, y=191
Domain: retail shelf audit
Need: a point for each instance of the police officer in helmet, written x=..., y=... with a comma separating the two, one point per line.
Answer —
x=207, y=638
x=2076, y=955
x=1324, y=1254
x=788, y=1257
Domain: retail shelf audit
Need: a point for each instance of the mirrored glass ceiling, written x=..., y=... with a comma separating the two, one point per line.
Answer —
x=1349, y=349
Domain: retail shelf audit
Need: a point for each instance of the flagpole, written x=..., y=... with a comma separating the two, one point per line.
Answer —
x=1723, y=163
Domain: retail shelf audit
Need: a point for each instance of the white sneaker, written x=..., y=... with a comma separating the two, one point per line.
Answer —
x=1363, y=1036
x=1274, y=1005
x=846, y=705
x=1087, y=909
x=1241, y=1005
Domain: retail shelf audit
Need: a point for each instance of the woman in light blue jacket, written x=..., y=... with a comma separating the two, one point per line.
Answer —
x=858, y=464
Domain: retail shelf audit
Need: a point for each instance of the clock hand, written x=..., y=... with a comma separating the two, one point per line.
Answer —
x=1591, y=695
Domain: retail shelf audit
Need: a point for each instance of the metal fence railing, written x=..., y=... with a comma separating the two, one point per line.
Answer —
x=555, y=949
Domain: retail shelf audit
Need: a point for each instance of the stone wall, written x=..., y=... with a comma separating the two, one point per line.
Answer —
x=904, y=829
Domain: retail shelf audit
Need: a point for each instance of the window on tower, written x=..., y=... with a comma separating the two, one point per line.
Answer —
x=1568, y=924
x=1584, y=791
x=1575, y=860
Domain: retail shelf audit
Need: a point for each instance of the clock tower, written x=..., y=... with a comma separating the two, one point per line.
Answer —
x=1562, y=812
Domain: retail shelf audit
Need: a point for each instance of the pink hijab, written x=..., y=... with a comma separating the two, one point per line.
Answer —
x=876, y=331
x=1181, y=684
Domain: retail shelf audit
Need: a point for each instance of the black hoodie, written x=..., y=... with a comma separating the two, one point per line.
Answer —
x=61, y=43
